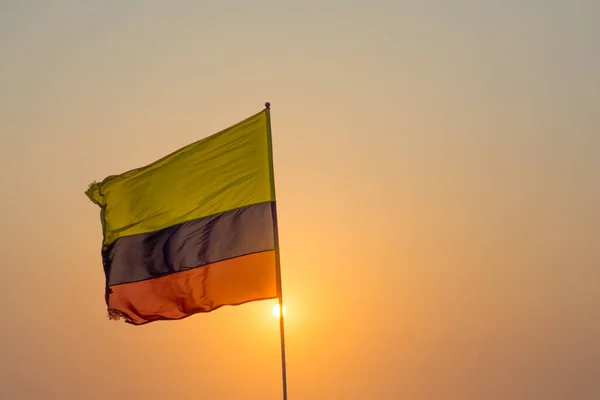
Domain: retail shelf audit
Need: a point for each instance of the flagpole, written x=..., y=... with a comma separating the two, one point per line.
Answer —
x=277, y=258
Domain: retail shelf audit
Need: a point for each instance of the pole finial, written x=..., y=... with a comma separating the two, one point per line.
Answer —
x=268, y=105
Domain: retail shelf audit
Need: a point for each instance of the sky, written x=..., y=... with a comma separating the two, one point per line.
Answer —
x=438, y=188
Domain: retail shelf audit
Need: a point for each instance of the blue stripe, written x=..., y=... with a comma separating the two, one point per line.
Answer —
x=192, y=244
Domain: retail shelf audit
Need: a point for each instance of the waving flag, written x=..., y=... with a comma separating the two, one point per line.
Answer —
x=193, y=231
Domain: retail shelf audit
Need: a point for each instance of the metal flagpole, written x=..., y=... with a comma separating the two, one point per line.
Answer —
x=277, y=258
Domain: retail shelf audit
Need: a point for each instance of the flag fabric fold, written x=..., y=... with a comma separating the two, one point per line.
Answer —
x=193, y=231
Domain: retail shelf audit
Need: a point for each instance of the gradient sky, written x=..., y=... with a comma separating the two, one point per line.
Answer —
x=438, y=179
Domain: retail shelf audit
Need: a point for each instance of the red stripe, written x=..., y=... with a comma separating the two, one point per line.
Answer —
x=203, y=289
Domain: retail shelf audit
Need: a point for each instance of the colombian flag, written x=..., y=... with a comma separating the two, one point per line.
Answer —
x=193, y=231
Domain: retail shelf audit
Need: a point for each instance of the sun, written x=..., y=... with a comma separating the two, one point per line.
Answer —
x=275, y=310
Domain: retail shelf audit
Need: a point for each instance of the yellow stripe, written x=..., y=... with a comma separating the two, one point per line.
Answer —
x=228, y=170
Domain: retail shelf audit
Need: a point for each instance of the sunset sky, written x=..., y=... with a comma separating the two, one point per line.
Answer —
x=437, y=169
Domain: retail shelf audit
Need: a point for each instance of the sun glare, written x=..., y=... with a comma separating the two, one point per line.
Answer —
x=275, y=310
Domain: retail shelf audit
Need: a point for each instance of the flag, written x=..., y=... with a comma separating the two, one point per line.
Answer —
x=193, y=231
